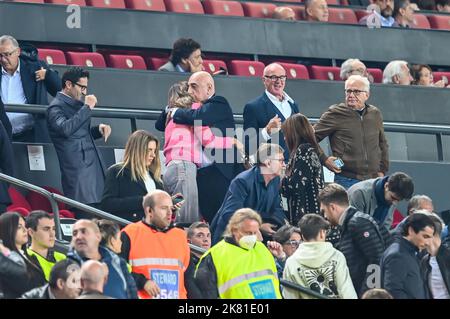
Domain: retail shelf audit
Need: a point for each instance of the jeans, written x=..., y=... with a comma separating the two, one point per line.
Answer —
x=345, y=181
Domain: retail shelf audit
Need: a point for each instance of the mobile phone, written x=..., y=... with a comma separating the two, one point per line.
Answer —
x=178, y=199
x=338, y=162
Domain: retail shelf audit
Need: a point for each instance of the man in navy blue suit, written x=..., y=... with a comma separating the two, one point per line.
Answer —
x=212, y=180
x=25, y=80
x=264, y=115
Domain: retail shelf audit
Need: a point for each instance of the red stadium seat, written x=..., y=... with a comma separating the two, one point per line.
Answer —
x=154, y=63
x=397, y=218
x=81, y=3
x=148, y=5
x=376, y=74
x=437, y=76
x=342, y=15
x=295, y=71
x=117, y=4
x=90, y=59
x=331, y=73
x=299, y=12
x=18, y=202
x=441, y=22
x=421, y=21
x=361, y=14
x=52, y=56
x=223, y=8
x=120, y=61
x=184, y=6
x=258, y=10
x=246, y=68
x=40, y=202
x=213, y=66
x=333, y=2
x=293, y=1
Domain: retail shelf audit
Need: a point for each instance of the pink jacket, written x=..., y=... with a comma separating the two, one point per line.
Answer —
x=183, y=142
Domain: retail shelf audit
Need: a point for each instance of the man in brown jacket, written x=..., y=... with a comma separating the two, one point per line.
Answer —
x=356, y=134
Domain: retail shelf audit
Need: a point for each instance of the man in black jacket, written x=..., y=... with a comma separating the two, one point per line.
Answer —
x=26, y=80
x=436, y=264
x=400, y=270
x=6, y=167
x=361, y=241
x=212, y=180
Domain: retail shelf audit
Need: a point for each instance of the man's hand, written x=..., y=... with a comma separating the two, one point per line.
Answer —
x=194, y=68
x=274, y=125
x=276, y=249
x=90, y=100
x=267, y=228
x=40, y=74
x=152, y=288
x=238, y=144
x=105, y=130
x=329, y=163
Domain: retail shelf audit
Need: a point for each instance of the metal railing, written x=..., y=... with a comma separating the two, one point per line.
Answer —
x=153, y=114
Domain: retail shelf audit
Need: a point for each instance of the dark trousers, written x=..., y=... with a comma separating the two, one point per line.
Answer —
x=212, y=188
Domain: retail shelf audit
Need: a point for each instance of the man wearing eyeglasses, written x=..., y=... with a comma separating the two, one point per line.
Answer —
x=356, y=134
x=264, y=115
x=69, y=124
x=25, y=80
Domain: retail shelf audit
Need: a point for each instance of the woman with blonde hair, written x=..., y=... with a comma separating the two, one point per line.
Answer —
x=127, y=182
x=183, y=152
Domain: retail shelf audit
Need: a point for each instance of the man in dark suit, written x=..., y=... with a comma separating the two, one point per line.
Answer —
x=264, y=115
x=69, y=124
x=6, y=167
x=25, y=80
x=212, y=180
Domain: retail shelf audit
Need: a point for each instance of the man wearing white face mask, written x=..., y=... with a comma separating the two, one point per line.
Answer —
x=239, y=266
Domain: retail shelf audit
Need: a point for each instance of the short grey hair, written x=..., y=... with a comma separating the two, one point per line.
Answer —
x=8, y=38
x=266, y=151
x=359, y=78
x=416, y=201
x=392, y=69
x=346, y=67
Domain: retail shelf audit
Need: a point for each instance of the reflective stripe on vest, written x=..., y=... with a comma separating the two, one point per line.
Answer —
x=245, y=277
x=156, y=262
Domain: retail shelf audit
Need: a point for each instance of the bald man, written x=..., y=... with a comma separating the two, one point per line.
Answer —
x=213, y=179
x=263, y=116
x=284, y=13
x=85, y=246
x=94, y=276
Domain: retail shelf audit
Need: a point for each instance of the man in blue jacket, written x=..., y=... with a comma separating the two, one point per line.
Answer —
x=257, y=188
x=263, y=116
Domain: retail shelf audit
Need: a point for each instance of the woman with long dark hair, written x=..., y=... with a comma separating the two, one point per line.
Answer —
x=304, y=175
x=15, y=237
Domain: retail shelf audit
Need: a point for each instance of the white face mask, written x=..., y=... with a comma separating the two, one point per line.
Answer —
x=247, y=242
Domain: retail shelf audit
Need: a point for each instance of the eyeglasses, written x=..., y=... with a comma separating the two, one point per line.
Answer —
x=293, y=243
x=359, y=71
x=83, y=87
x=275, y=78
x=355, y=92
x=278, y=159
x=7, y=54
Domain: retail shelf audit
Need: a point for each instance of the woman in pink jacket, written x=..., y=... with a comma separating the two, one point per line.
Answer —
x=184, y=154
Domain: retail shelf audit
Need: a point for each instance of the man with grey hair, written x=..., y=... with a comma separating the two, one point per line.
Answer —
x=284, y=13
x=418, y=202
x=257, y=188
x=397, y=72
x=94, y=276
x=353, y=67
x=316, y=10
x=356, y=133
x=25, y=80
x=263, y=116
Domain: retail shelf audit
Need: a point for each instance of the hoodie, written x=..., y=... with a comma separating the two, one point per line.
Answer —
x=321, y=268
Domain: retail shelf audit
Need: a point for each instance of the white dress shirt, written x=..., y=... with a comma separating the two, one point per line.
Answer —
x=283, y=106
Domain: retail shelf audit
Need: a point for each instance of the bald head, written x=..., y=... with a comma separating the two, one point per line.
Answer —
x=316, y=10
x=284, y=13
x=274, y=80
x=94, y=275
x=201, y=86
x=273, y=68
x=86, y=238
x=158, y=208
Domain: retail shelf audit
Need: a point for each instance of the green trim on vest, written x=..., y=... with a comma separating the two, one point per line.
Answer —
x=245, y=274
x=46, y=264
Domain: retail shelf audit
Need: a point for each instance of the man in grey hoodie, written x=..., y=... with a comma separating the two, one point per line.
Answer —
x=317, y=265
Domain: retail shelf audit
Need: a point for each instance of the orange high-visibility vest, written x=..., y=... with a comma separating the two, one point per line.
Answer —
x=160, y=256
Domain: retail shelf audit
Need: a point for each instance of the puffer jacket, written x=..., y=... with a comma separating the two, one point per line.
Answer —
x=358, y=140
x=362, y=244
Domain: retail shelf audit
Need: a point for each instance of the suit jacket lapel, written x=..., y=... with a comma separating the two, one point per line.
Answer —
x=139, y=182
x=272, y=107
x=26, y=84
